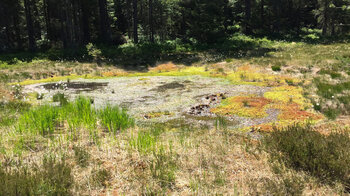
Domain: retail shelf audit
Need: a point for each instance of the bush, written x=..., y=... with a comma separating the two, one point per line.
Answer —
x=276, y=68
x=302, y=148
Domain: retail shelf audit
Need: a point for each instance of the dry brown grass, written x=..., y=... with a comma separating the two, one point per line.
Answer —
x=207, y=162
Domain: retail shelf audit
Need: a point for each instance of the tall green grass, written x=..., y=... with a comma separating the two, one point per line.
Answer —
x=144, y=142
x=80, y=113
x=46, y=119
x=115, y=119
x=42, y=120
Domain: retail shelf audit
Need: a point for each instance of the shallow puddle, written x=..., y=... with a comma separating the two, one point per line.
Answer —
x=79, y=86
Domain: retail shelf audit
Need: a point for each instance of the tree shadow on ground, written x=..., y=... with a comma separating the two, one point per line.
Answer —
x=141, y=56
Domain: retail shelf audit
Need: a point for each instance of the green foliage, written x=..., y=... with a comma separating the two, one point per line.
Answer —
x=333, y=74
x=80, y=113
x=302, y=148
x=276, y=68
x=311, y=35
x=221, y=123
x=94, y=52
x=41, y=120
x=45, y=119
x=53, y=177
x=331, y=114
x=9, y=111
x=61, y=98
x=208, y=19
x=329, y=90
x=144, y=143
x=115, y=119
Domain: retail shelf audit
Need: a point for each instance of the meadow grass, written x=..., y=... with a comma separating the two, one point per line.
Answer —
x=10, y=110
x=144, y=142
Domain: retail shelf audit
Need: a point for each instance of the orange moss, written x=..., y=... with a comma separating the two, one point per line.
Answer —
x=115, y=73
x=246, y=68
x=292, y=112
x=165, y=67
x=245, y=106
x=263, y=128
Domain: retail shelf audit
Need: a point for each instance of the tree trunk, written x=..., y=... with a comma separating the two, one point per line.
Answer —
x=248, y=10
x=36, y=20
x=30, y=27
x=151, y=21
x=136, y=36
x=104, y=21
x=47, y=19
x=122, y=22
x=16, y=25
x=325, y=18
x=262, y=14
x=85, y=22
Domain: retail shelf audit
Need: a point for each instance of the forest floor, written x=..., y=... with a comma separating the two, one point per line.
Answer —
x=186, y=129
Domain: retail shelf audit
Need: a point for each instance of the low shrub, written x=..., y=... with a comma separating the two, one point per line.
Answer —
x=303, y=148
x=276, y=68
x=100, y=177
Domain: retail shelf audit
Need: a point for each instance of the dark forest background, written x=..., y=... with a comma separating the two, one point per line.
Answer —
x=35, y=25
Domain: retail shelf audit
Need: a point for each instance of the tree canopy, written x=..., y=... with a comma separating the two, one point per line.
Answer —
x=44, y=24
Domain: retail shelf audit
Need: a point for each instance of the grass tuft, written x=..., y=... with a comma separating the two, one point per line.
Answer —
x=115, y=119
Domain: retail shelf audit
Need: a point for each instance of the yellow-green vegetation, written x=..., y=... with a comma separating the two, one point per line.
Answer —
x=288, y=100
x=245, y=106
x=242, y=75
x=289, y=94
x=157, y=114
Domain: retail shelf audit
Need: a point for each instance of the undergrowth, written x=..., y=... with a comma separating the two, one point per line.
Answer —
x=53, y=177
x=326, y=157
